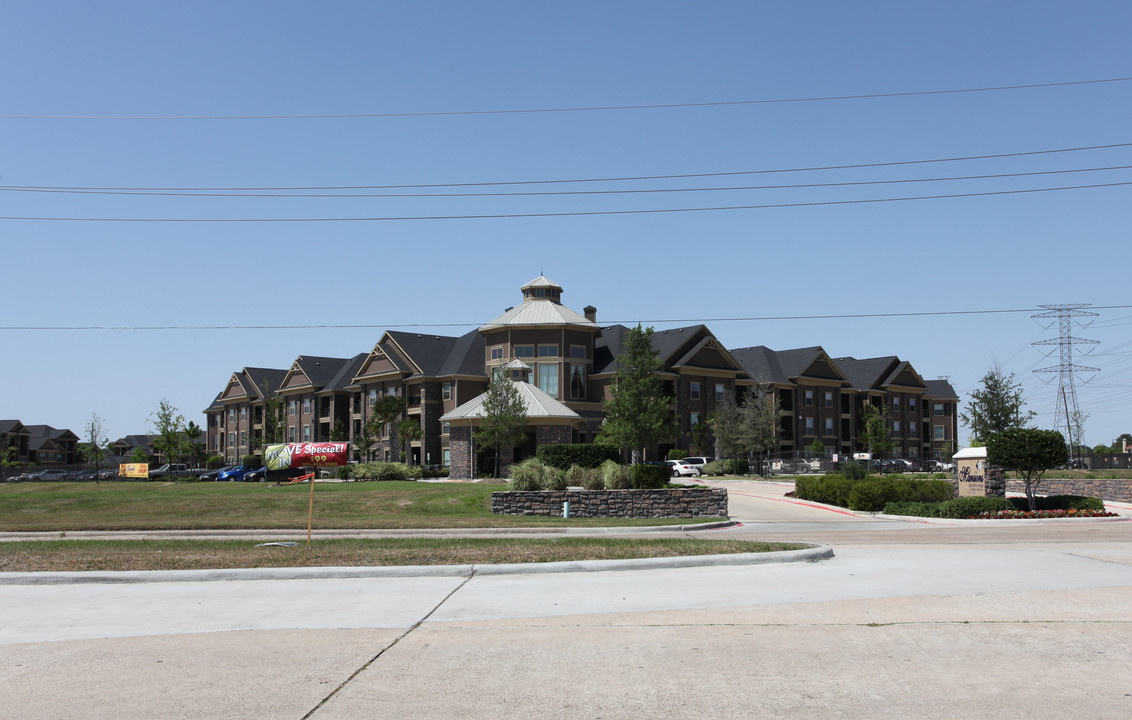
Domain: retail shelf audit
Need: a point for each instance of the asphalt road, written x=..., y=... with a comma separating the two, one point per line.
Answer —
x=913, y=619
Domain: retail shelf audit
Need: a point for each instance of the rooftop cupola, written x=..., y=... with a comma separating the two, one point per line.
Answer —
x=542, y=289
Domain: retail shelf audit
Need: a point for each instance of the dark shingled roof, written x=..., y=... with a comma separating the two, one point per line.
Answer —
x=427, y=352
x=941, y=389
x=760, y=363
x=345, y=375
x=867, y=374
x=257, y=376
x=320, y=370
x=466, y=356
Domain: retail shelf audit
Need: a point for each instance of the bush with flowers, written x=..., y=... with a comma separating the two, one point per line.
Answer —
x=1040, y=514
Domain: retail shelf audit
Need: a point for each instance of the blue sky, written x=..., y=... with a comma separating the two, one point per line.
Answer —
x=423, y=81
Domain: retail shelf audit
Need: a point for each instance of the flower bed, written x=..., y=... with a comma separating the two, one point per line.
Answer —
x=1039, y=514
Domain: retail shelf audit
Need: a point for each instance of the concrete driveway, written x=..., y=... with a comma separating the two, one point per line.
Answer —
x=908, y=620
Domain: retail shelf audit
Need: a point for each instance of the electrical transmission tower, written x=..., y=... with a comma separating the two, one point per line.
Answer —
x=1066, y=413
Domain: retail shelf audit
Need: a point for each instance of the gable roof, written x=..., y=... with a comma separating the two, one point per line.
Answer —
x=310, y=372
x=941, y=389
x=536, y=403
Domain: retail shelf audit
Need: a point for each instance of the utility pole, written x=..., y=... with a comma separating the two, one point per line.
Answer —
x=1066, y=412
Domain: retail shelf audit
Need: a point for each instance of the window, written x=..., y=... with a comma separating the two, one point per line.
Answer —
x=447, y=457
x=446, y=391
x=445, y=428
x=391, y=391
x=937, y=409
x=497, y=353
x=939, y=432
x=829, y=399
x=548, y=350
x=372, y=395
x=243, y=438
x=578, y=381
x=578, y=352
x=291, y=407
x=231, y=439
x=231, y=414
x=693, y=419
x=896, y=404
x=306, y=406
x=720, y=389
x=912, y=404
x=548, y=379
x=809, y=398
x=694, y=390
x=524, y=351
x=896, y=428
x=829, y=426
x=291, y=433
x=306, y=433
x=243, y=413
x=912, y=429
x=809, y=426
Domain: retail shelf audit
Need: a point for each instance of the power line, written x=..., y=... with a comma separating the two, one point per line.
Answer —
x=678, y=176
x=558, y=193
x=592, y=108
x=368, y=326
x=588, y=213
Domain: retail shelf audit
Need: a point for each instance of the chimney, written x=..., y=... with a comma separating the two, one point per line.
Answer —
x=591, y=313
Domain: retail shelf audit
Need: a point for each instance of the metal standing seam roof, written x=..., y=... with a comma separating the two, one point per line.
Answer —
x=536, y=403
x=539, y=311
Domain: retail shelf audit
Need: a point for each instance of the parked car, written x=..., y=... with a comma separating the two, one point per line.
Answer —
x=213, y=474
x=681, y=468
x=898, y=465
x=50, y=475
x=234, y=474
x=698, y=461
x=930, y=466
x=257, y=475
x=170, y=470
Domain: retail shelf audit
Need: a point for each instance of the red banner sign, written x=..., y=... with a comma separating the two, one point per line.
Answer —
x=326, y=454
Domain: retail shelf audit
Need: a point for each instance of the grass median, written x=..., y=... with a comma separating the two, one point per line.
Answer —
x=215, y=506
x=91, y=555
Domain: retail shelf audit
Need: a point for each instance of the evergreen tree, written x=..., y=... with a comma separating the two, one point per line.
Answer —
x=996, y=406
x=504, y=417
x=637, y=414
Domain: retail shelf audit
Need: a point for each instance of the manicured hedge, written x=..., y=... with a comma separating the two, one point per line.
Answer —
x=1058, y=502
x=649, y=477
x=587, y=455
x=872, y=493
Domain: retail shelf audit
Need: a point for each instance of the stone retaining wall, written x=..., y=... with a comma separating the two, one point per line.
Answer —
x=668, y=503
x=1115, y=490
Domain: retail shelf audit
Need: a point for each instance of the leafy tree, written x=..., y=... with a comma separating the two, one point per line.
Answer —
x=504, y=417
x=139, y=455
x=817, y=449
x=273, y=432
x=338, y=432
x=1120, y=441
x=364, y=441
x=700, y=435
x=1029, y=452
x=169, y=427
x=409, y=430
x=875, y=435
x=94, y=449
x=386, y=410
x=8, y=453
x=637, y=413
x=195, y=446
x=996, y=406
x=1104, y=450
x=745, y=428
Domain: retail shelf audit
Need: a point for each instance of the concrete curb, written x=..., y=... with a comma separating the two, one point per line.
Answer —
x=810, y=554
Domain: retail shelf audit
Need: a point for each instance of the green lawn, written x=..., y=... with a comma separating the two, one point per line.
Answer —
x=209, y=506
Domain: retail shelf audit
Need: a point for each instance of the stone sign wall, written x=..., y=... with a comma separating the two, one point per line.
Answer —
x=668, y=503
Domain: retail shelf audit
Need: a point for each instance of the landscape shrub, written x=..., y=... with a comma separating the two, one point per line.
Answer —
x=576, y=476
x=382, y=471
x=915, y=509
x=714, y=468
x=963, y=507
x=828, y=489
x=592, y=480
x=648, y=477
x=1059, y=502
x=214, y=462
x=527, y=475
x=676, y=454
x=872, y=493
x=588, y=455
x=854, y=470
x=554, y=479
x=615, y=476
x=251, y=461
x=433, y=471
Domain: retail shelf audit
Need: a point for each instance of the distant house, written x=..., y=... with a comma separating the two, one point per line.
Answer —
x=51, y=446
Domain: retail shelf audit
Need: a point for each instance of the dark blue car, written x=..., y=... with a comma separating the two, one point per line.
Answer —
x=234, y=474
